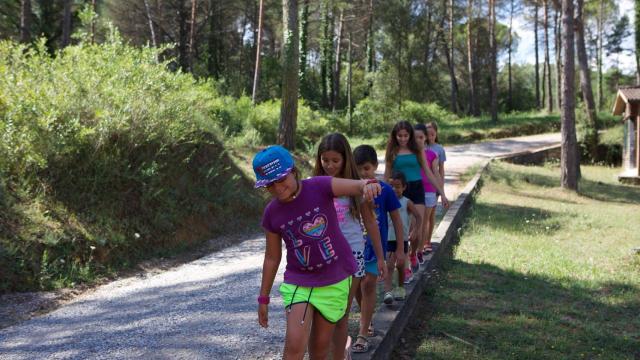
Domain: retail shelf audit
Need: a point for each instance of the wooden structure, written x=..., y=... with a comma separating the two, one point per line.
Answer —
x=627, y=105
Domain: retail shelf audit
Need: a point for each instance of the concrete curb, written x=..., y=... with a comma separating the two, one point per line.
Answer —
x=391, y=320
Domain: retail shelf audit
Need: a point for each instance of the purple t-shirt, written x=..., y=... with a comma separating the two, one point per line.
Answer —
x=430, y=155
x=317, y=252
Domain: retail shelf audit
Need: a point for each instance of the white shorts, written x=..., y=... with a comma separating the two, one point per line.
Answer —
x=430, y=199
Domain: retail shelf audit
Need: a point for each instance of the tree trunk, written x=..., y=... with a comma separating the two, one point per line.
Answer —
x=569, y=162
x=214, y=45
x=471, y=63
x=536, y=45
x=154, y=41
x=337, y=66
x=327, y=45
x=451, y=63
x=192, y=32
x=183, y=56
x=494, y=61
x=599, y=51
x=304, y=34
x=25, y=21
x=591, y=137
x=93, y=21
x=558, y=41
x=510, y=95
x=637, y=38
x=371, y=61
x=546, y=56
x=66, y=24
x=256, y=73
x=349, y=87
x=290, y=68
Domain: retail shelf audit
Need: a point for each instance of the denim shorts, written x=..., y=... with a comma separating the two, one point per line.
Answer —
x=430, y=199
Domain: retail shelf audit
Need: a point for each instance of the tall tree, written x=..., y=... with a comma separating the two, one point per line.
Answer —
x=326, y=50
x=192, y=32
x=549, y=100
x=93, y=21
x=449, y=54
x=637, y=38
x=337, y=65
x=494, y=61
x=569, y=159
x=25, y=21
x=256, y=72
x=509, y=50
x=536, y=21
x=290, y=68
x=473, y=96
x=304, y=41
x=558, y=43
x=66, y=24
x=154, y=40
x=591, y=136
x=600, y=46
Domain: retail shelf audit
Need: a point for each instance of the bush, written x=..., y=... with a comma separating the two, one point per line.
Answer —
x=106, y=158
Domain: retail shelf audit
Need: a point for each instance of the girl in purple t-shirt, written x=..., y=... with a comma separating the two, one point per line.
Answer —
x=317, y=276
x=334, y=158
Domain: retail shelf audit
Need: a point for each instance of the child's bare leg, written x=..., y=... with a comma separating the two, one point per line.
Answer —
x=432, y=223
x=322, y=333
x=368, y=303
x=298, y=331
x=388, y=280
x=427, y=228
x=341, y=331
x=400, y=267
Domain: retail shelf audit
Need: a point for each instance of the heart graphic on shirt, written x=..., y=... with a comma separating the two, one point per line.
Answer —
x=316, y=227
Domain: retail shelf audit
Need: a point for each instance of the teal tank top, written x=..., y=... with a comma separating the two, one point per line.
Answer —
x=408, y=165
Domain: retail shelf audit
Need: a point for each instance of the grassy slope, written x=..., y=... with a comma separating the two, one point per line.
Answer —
x=539, y=273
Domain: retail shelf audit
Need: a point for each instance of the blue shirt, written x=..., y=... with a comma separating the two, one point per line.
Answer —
x=386, y=202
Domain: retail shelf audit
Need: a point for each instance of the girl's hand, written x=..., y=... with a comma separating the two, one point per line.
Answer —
x=263, y=315
x=382, y=269
x=445, y=201
x=400, y=256
x=371, y=190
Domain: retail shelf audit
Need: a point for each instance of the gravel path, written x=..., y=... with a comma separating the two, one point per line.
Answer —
x=205, y=309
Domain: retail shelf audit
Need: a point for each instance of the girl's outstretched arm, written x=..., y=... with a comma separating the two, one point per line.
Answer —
x=433, y=179
x=369, y=219
x=388, y=170
x=348, y=187
x=272, y=256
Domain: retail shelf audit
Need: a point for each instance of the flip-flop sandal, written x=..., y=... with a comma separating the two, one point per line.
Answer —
x=360, y=347
x=427, y=249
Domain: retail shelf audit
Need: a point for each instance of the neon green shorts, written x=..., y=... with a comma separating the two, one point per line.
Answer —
x=330, y=301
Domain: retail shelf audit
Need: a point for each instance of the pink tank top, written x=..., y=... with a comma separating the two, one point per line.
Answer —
x=431, y=156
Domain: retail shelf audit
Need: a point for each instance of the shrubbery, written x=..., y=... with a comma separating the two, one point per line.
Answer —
x=107, y=157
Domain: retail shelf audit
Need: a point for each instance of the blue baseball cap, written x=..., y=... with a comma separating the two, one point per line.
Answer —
x=272, y=164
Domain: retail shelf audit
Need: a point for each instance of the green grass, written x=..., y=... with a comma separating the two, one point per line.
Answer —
x=539, y=273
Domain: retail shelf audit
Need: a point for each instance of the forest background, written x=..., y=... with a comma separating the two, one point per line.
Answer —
x=127, y=125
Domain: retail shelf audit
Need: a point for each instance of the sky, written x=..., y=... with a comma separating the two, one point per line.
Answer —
x=526, y=54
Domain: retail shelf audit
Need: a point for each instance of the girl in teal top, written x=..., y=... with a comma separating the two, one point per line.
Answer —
x=404, y=155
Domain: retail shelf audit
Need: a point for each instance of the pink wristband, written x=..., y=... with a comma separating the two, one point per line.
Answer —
x=263, y=300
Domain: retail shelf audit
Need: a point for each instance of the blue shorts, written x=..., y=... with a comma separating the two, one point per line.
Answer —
x=371, y=267
x=430, y=199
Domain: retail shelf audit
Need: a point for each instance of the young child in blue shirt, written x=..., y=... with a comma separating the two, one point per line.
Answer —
x=387, y=205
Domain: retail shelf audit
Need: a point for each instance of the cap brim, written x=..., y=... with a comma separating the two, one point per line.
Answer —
x=265, y=182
